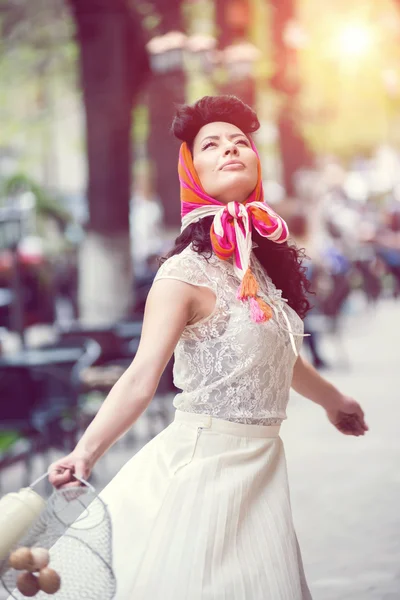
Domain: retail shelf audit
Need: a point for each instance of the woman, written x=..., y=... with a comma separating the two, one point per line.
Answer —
x=203, y=510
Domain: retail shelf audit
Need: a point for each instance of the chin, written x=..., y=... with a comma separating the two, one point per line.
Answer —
x=235, y=192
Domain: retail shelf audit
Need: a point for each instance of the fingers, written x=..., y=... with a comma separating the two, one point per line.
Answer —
x=81, y=469
x=67, y=472
x=358, y=411
x=351, y=425
x=60, y=476
x=346, y=430
x=361, y=424
x=360, y=414
x=350, y=419
x=74, y=483
x=71, y=493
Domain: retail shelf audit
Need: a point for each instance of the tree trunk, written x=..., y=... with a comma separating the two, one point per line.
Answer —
x=294, y=152
x=233, y=21
x=105, y=286
x=165, y=92
x=113, y=66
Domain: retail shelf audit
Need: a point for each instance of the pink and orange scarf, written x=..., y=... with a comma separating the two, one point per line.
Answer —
x=232, y=226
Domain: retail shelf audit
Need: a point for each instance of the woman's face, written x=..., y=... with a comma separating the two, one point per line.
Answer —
x=225, y=162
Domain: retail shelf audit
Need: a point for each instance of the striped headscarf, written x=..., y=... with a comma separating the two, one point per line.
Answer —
x=232, y=227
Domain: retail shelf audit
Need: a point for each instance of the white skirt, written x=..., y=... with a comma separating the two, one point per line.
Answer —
x=202, y=512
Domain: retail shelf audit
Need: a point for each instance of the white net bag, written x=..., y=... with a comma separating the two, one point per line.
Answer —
x=75, y=527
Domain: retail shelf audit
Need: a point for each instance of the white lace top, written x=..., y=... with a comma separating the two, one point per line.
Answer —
x=226, y=365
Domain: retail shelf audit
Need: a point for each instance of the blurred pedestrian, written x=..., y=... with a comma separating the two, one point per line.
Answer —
x=203, y=510
x=299, y=229
x=388, y=246
x=66, y=286
x=146, y=224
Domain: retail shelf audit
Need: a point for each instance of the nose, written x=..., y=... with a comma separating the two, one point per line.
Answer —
x=231, y=148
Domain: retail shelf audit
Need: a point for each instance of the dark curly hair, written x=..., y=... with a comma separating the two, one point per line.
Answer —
x=282, y=262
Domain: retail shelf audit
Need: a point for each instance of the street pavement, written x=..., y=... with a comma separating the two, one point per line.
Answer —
x=345, y=491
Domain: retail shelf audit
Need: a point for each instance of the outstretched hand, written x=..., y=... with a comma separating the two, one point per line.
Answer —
x=348, y=417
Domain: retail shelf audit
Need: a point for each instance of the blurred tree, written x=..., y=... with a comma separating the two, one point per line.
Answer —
x=114, y=67
x=233, y=27
x=45, y=205
x=239, y=21
x=165, y=15
x=166, y=89
x=287, y=82
x=339, y=86
x=37, y=69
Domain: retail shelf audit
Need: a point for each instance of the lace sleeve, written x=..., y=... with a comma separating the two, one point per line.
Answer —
x=190, y=268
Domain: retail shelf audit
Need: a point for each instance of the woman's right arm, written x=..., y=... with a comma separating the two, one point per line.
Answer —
x=170, y=306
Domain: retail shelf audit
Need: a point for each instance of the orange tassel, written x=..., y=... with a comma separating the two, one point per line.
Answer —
x=266, y=309
x=249, y=287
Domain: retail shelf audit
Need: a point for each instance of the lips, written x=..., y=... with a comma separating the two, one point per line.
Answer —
x=232, y=162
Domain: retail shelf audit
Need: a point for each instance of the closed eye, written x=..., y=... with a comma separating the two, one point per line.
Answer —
x=208, y=145
x=243, y=141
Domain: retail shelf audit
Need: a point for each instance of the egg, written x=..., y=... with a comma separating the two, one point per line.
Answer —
x=21, y=559
x=27, y=584
x=41, y=558
x=49, y=581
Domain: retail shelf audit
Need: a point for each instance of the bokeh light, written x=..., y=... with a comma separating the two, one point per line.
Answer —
x=355, y=40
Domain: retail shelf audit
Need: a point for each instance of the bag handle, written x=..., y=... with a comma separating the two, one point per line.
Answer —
x=80, y=479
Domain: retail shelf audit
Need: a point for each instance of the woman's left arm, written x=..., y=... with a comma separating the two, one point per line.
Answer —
x=343, y=412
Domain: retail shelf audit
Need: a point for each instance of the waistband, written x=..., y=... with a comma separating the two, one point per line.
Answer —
x=229, y=427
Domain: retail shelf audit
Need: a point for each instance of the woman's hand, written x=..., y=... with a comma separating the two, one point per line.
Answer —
x=62, y=471
x=343, y=412
x=347, y=416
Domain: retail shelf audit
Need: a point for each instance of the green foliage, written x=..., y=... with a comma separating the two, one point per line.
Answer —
x=261, y=23
x=45, y=204
x=140, y=124
x=37, y=67
x=7, y=440
x=151, y=20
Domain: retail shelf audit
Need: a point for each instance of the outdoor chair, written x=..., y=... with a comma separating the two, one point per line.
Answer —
x=119, y=344
x=19, y=438
x=64, y=386
x=40, y=402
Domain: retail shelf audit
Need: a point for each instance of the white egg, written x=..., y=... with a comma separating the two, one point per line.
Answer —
x=41, y=558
